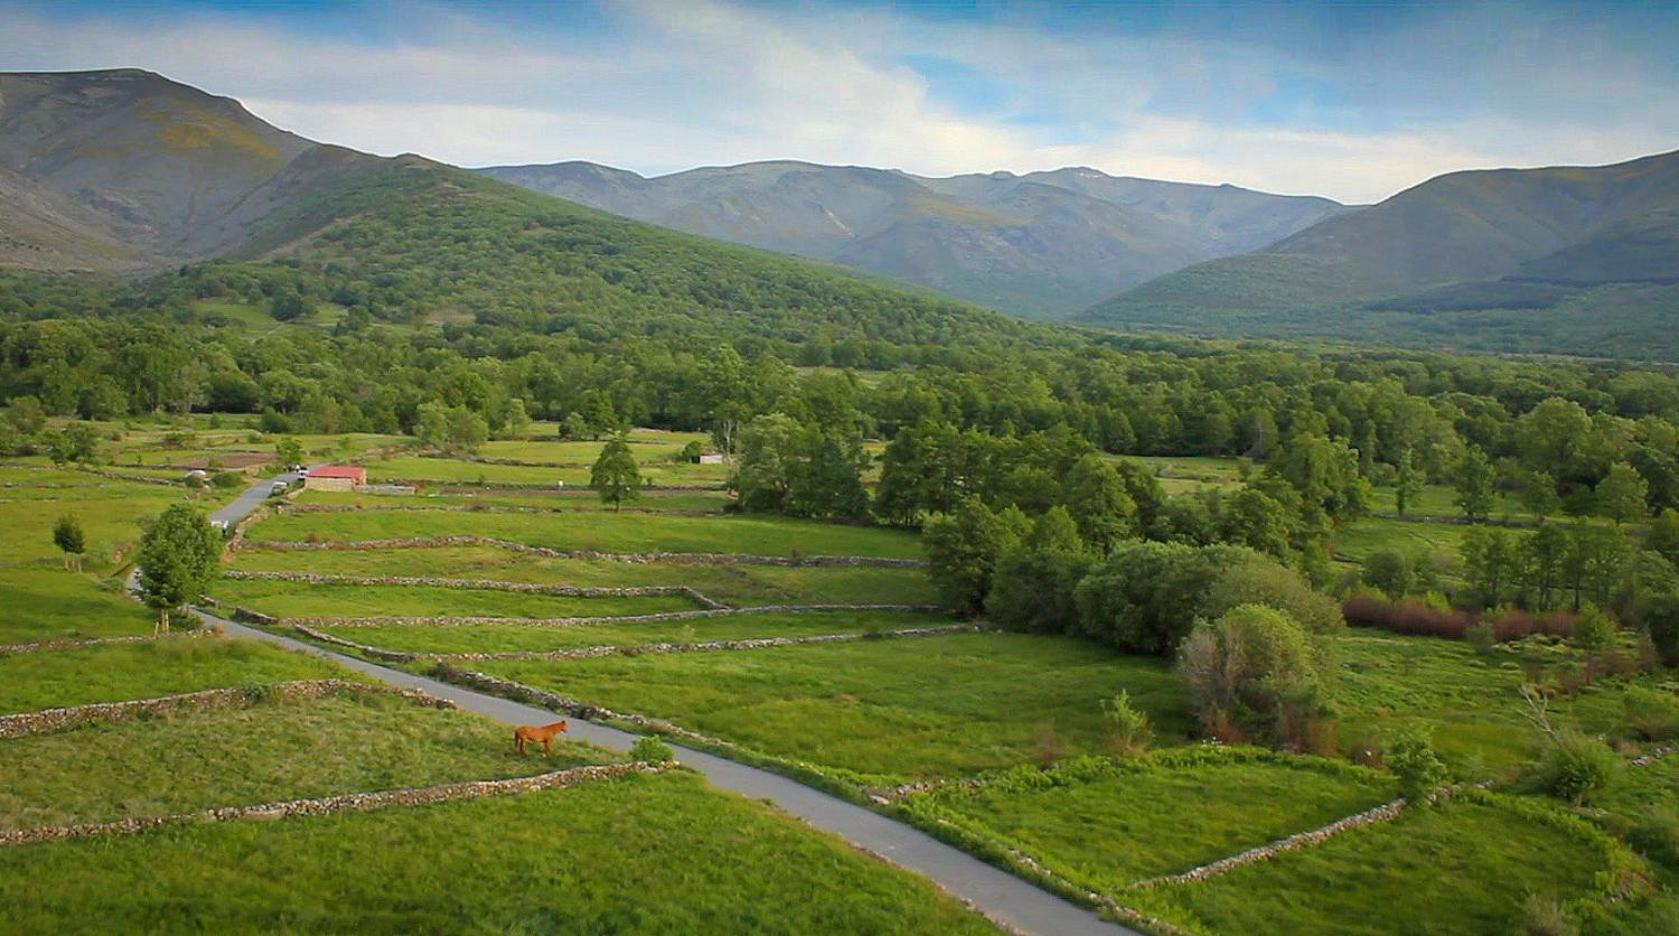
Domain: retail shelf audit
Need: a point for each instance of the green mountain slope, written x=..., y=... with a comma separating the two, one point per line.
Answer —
x=1496, y=240
x=1040, y=245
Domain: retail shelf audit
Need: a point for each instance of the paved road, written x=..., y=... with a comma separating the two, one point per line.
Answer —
x=1000, y=895
x=251, y=499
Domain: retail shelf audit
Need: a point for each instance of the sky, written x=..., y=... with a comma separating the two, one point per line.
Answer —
x=1355, y=101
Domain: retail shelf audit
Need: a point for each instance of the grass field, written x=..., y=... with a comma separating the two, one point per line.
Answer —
x=112, y=673
x=1386, y=684
x=39, y=598
x=1107, y=829
x=1466, y=867
x=641, y=854
x=270, y=751
x=297, y=599
x=557, y=500
x=888, y=709
x=741, y=585
x=616, y=532
x=501, y=638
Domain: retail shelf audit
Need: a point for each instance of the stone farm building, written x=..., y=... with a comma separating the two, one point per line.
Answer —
x=336, y=478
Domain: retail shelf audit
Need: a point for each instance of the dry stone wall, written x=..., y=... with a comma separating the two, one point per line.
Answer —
x=565, y=591
x=657, y=617
x=670, y=558
x=581, y=653
x=60, y=719
x=71, y=643
x=326, y=805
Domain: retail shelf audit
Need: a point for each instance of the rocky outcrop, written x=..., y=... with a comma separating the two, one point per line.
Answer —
x=583, y=653
x=59, y=719
x=670, y=558
x=564, y=591
x=656, y=617
x=326, y=805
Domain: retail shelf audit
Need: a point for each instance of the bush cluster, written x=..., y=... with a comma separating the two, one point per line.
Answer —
x=1417, y=618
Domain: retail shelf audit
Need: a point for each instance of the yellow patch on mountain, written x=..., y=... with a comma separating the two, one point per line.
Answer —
x=189, y=128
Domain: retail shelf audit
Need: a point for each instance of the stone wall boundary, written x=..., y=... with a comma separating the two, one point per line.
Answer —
x=670, y=558
x=75, y=643
x=583, y=653
x=535, y=588
x=342, y=803
x=656, y=617
x=24, y=724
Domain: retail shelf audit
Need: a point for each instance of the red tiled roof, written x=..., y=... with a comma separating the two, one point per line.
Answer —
x=353, y=472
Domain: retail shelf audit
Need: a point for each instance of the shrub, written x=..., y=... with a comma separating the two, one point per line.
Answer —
x=1252, y=666
x=228, y=479
x=1262, y=581
x=1652, y=713
x=1046, y=745
x=1661, y=622
x=1593, y=629
x=1411, y=617
x=1481, y=637
x=1577, y=767
x=1131, y=731
x=650, y=750
x=1389, y=572
x=1414, y=764
x=1543, y=915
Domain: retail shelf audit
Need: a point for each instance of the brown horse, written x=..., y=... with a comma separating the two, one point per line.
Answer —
x=537, y=734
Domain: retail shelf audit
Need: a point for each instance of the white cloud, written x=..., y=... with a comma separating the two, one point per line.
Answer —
x=673, y=85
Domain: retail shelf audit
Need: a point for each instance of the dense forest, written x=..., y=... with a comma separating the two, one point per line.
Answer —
x=442, y=305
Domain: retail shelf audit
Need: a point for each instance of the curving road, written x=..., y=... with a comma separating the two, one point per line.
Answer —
x=994, y=892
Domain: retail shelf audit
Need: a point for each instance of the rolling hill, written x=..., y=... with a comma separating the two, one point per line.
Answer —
x=128, y=172
x=1041, y=245
x=1496, y=241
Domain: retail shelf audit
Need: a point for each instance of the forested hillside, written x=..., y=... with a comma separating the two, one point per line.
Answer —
x=1571, y=259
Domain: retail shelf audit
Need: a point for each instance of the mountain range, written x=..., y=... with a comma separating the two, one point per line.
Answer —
x=1040, y=245
x=1507, y=239
x=127, y=172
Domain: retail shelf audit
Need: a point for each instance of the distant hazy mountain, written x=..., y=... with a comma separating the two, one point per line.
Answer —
x=1044, y=244
x=124, y=170
x=1501, y=239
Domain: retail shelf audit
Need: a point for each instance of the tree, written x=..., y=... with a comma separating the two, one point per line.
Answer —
x=1490, y=564
x=1261, y=580
x=467, y=430
x=1034, y=581
x=1407, y=483
x=1097, y=498
x=1622, y=494
x=1474, y=485
x=1593, y=629
x=517, y=421
x=1254, y=666
x=826, y=476
x=432, y=425
x=963, y=548
x=1388, y=570
x=1420, y=772
x=76, y=443
x=67, y=536
x=1145, y=596
x=767, y=448
x=615, y=476
x=289, y=451
x=26, y=415
x=177, y=556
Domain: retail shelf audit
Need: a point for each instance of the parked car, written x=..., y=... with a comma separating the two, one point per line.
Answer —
x=280, y=487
